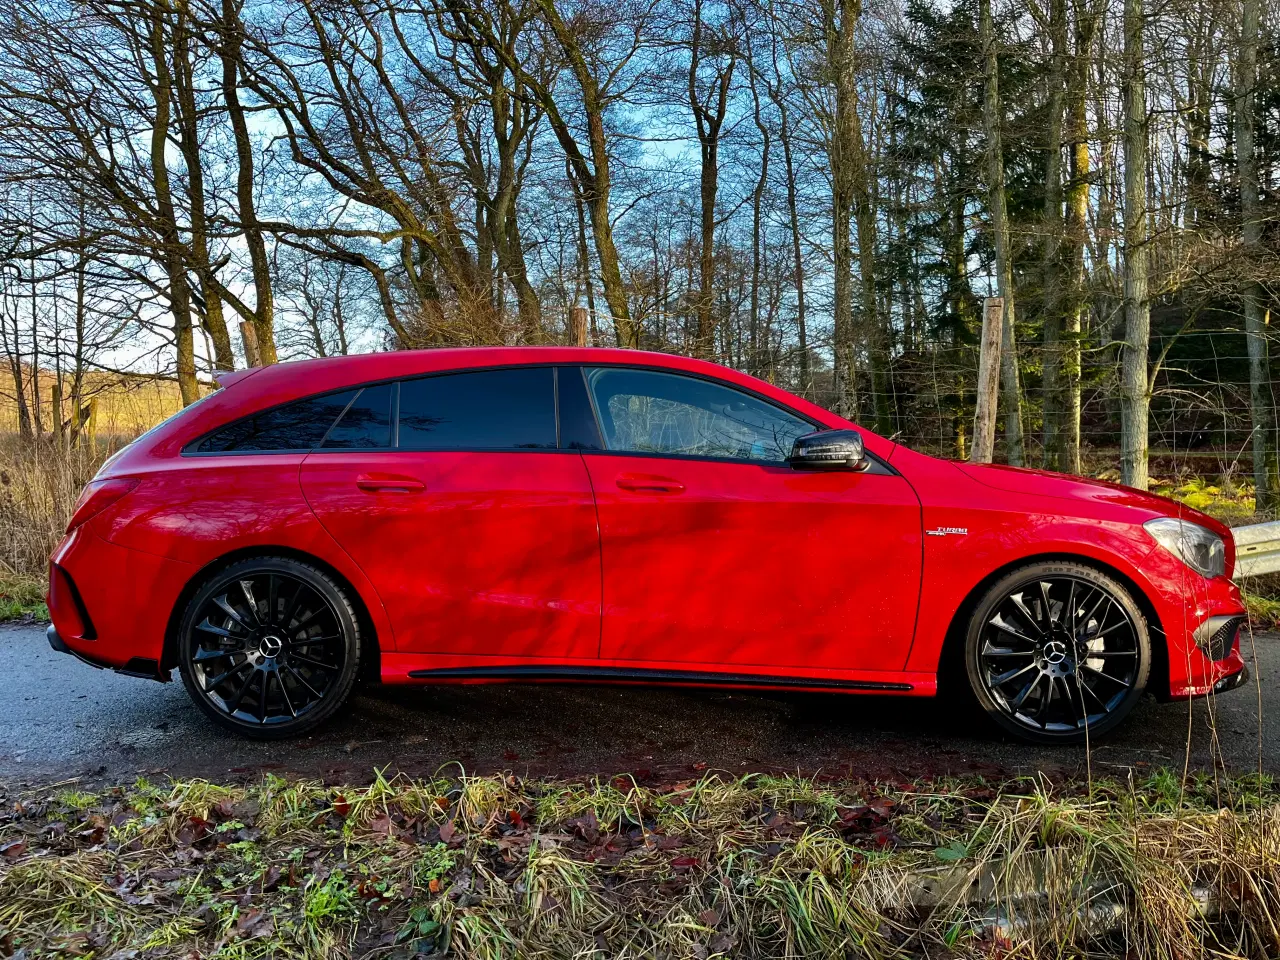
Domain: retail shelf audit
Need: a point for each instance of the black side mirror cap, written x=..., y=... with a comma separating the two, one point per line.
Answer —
x=828, y=450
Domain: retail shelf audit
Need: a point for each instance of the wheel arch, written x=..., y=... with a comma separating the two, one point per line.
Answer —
x=951, y=662
x=370, y=648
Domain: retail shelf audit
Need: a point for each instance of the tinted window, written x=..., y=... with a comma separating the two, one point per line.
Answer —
x=643, y=411
x=485, y=410
x=295, y=426
x=367, y=422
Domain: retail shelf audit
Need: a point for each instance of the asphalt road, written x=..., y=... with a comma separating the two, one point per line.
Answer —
x=61, y=719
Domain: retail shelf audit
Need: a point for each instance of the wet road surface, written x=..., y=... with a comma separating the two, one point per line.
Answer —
x=61, y=719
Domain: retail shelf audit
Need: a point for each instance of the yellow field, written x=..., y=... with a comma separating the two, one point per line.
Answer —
x=125, y=406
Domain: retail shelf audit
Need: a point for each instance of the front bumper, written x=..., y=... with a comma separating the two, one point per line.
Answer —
x=1192, y=612
x=1231, y=681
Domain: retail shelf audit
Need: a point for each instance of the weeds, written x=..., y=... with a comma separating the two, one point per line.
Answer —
x=493, y=867
x=39, y=485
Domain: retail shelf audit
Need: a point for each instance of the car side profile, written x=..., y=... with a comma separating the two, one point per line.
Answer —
x=597, y=515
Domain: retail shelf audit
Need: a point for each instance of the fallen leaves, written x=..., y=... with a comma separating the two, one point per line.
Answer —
x=871, y=824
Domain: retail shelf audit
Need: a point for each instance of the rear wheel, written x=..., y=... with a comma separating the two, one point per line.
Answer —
x=1057, y=652
x=269, y=647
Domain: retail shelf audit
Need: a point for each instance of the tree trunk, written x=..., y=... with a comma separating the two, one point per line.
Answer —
x=528, y=304
x=991, y=115
x=213, y=316
x=1051, y=269
x=1266, y=465
x=708, y=120
x=264, y=302
x=757, y=213
x=171, y=244
x=594, y=180
x=841, y=21
x=1134, y=380
x=797, y=253
x=873, y=332
x=1076, y=231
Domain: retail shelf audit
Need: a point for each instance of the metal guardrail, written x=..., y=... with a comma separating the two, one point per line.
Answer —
x=1257, y=549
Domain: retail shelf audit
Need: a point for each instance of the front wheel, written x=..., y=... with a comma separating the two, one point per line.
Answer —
x=1057, y=652
x=269, y=647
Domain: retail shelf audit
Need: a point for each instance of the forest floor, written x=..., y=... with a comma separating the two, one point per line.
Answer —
x=704, y=866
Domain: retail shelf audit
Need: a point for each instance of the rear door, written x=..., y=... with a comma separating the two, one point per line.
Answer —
x=717, y=553
x=476, y=528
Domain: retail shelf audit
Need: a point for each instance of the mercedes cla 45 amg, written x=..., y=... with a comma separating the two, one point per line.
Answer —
x=555, y=514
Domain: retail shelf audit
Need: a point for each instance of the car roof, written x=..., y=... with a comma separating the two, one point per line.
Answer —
x=281, y=382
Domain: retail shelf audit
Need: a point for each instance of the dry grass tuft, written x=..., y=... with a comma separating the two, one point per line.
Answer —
x=39, y=484
x=492, y=867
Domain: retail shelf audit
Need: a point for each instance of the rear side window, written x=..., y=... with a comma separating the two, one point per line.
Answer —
x=504, y=409
x=295, y=426
x=366, y=424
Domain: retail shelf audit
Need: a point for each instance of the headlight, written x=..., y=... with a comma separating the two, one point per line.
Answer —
x=1200, y=549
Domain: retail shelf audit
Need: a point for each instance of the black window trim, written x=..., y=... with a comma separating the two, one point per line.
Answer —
x=878, y=465
x=189, y=450
x=555, y=401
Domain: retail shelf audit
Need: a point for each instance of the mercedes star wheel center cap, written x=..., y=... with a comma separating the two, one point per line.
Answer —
x=1055, y=651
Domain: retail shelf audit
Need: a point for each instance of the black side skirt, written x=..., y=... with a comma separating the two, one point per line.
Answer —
x=514, y=672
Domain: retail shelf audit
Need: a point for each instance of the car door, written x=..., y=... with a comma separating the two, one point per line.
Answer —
x=716, y=552
x=477, y=530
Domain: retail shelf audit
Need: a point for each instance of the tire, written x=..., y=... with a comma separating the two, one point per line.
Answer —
x=269, y=647
x=1051, y=676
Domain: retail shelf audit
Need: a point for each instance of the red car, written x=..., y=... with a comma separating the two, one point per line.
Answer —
x=557, y=514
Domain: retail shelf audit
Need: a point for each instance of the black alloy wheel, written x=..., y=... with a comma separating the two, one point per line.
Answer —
x=1057, y=653
x=269, y=647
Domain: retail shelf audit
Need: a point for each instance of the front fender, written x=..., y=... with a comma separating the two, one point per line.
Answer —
x=958, y=566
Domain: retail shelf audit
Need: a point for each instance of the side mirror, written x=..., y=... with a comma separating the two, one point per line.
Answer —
x=828, y=450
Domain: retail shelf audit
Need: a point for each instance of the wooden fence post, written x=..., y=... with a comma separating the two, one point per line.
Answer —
x=89, y=423
x=578, y=326
x=250, y=338
x=55, y=398
x=984, y=420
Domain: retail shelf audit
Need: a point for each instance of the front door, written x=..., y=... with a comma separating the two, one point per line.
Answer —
x=477, y=531
x=717, y=553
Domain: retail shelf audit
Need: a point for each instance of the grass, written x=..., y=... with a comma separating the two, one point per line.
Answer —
x=22, y=598
x=40, y=482
x=495, y=867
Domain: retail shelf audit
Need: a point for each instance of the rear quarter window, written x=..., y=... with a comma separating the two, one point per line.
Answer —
x=295, y=426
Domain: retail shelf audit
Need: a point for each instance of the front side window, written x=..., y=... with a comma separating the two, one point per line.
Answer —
x=646, y=411
x=295, y=426
x=503, y=409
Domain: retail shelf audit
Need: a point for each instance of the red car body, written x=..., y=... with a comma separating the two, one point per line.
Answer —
x=570, y=565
